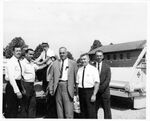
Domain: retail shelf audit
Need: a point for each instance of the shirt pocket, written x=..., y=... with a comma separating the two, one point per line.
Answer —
x=17, y=69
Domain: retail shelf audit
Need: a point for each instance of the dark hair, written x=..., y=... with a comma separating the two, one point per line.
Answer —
x=16, y=46
x=53, y=57
x=44, y=44
x=29, y=49
x=99, y=51
x=84, y=54
x=63, y=48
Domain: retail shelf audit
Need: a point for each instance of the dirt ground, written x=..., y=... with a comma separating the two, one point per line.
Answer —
x=122, y=109
x=125, y=114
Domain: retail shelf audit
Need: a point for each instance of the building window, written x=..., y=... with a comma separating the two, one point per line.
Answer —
x=128, y=56
x=121, y=56
x=108, y=57
x=114, y=57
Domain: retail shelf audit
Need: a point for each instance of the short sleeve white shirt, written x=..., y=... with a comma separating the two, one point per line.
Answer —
x=28, y=70
x=91, y=76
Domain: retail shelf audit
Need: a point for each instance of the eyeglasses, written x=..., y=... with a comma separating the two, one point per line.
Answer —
x=62, y=53
x=99, y=55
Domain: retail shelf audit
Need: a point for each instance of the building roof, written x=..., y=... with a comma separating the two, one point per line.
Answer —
x=135, y=45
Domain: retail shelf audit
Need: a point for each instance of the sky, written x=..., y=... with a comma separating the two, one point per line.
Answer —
x=74, y=25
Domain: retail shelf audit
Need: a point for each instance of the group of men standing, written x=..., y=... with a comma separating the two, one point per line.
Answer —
x=63, y=75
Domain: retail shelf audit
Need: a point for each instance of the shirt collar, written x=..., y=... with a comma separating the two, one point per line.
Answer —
x=26, y=61
x=66, y=60
x=14, y=58
x=98, y=62
x=86, y=66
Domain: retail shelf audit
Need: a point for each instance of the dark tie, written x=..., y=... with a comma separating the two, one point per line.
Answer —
x=21, y=87
x=98, y=66
x=61, y=71
x=83, y=77
x=20, y=67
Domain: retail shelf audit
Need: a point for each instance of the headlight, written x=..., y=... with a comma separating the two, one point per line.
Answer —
x=127, y=88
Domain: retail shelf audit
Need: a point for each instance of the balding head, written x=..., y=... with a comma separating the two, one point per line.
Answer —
x=85, y=59
x=63, y=53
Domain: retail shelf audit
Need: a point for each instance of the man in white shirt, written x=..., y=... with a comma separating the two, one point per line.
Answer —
x=88, y=84
x=14, y=88
x=28, y=72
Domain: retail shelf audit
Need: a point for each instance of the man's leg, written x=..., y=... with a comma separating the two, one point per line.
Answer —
x=83, y=105
x=12, y=102
x=32, y=108
x=51, y=107
x=106, y=107
x=45, y=83
x=98, y=101
x=59, y=105
x=91, y=106
x=67, y=102
x=31, y=100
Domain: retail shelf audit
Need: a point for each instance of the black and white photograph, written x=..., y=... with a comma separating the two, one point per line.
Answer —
x=74, y=59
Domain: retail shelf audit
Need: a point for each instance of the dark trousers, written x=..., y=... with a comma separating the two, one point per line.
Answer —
x=4, y=104
x=30, y=100
x=88, y=108
x=41, y=76
x=51, y=107
x=13, y=103
x=104, y=102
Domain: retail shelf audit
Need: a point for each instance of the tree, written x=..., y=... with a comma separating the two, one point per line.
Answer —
x=79, y=62
x=17, y=41
x=38, y=51
x=96, y=44
x=3, y=51
x=70, y=56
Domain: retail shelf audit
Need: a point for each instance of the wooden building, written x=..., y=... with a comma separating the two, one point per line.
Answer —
x=122, y=54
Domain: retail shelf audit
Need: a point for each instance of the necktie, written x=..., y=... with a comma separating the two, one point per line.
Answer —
x=20, y=67
x=83, y=77
x=21, y=87
x=98, y=66
x=61, y=71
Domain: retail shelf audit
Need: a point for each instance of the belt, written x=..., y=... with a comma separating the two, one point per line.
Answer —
x=17, y=80
x=63, y=80
x=91, y=88
x=31, y=83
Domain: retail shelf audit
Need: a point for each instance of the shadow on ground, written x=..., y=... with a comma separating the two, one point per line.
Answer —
x=121, y=103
